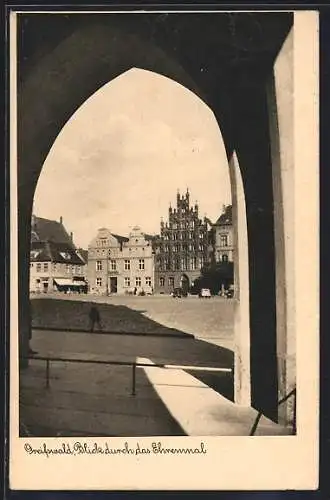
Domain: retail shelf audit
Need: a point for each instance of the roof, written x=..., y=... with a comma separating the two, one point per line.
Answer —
x=84, y=254
x=62, y=253
x=121, y=239
x=150, y=237
x=50, y=230
x=226, y=218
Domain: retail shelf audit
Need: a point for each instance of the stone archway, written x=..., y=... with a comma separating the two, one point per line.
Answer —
x=56, y=83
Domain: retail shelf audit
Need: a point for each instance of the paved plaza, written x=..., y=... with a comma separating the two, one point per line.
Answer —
x=88, y=399
x=207, y=319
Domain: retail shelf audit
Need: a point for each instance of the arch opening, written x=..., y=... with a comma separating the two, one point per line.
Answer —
x=50, y=105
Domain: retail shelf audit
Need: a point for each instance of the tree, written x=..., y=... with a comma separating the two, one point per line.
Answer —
x=215, y=276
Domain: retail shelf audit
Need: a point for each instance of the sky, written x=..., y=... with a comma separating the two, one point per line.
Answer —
x=120, y=159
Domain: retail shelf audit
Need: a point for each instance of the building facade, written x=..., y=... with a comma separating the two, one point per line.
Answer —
x=182, y=248
x=120, y=265
x=222, y=237
x=55, y=263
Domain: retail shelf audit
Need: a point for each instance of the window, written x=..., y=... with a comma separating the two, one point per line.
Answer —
x=67, y=268
x=183, y=264
x=99, y=265
x=201, y=247
x=177, y=264
x=138, y=281
x=201, y=262
x=192, y=234
x=45, y=266
x=104, y=242
x=113, y=265
x=38, y=267
x=148, y=281
x=127, y=265
x=167, y=264
x=201, y=236
x=31, y=264
x=127, y=281
x=98, y=281
x=141, y=263
x=175, y=236
x=171, y=281
x=77, y=269
x=54, y=266
x=162, y=281
x=223, y=240
x=225, y=258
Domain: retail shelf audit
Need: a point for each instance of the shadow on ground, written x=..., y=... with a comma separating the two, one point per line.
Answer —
x=70, y=407
x=71, y=315
x=103, y=405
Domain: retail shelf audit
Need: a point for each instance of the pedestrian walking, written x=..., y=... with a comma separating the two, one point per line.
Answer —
x=94, y=317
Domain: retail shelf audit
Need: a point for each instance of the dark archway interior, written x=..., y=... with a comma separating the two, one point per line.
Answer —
x=225, y=58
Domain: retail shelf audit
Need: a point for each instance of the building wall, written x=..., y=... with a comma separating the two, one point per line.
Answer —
x=43, y=273
x=120, y=265
x=223, y=243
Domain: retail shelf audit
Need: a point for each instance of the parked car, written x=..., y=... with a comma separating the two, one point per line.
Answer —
x=205, y=292
x=177, y=293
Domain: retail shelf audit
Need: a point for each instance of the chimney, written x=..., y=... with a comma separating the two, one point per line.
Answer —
x=61, y=220
x=71, y=236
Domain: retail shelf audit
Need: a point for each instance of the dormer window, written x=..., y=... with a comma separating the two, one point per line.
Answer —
x=34, y=254
x=65, y=255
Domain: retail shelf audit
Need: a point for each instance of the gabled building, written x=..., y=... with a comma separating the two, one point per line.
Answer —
x=117, y=264
x=222, y=236
x=55, y=263
x=183, y=248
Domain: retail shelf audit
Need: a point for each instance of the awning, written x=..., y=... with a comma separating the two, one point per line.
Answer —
x=79, y=283
x=63, y=281
x=69, y=282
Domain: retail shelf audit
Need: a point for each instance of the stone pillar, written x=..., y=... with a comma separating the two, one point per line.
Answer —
x=280, y=102
x=242, y=387
x=24, y=313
